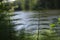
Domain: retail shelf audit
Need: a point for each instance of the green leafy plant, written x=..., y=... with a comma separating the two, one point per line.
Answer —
x=7, y=31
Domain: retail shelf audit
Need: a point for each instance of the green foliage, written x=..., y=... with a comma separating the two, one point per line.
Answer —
x=47, y=35
x=55, y=23
x=43, y=35
x=37, y=5
x=52, y=25
x=27, y=4
x=7, y=31
x=22, y=34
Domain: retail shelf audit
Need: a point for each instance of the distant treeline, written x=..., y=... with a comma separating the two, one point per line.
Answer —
x=41, y=4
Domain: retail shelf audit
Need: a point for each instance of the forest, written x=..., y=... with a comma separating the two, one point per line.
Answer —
x=8, y=28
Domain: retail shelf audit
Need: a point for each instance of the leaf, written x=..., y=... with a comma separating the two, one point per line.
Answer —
x=52, y=25
x=58, y=19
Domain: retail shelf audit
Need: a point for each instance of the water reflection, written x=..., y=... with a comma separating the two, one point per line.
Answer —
x=24, y=16
x=29, y=20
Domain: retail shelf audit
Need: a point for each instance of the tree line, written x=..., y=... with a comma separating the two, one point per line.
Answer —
x=38, y=4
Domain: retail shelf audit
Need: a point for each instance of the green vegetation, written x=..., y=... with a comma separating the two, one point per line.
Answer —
x=7, y=28
x=43, y=35
x=7, y=31
x=38, y=5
